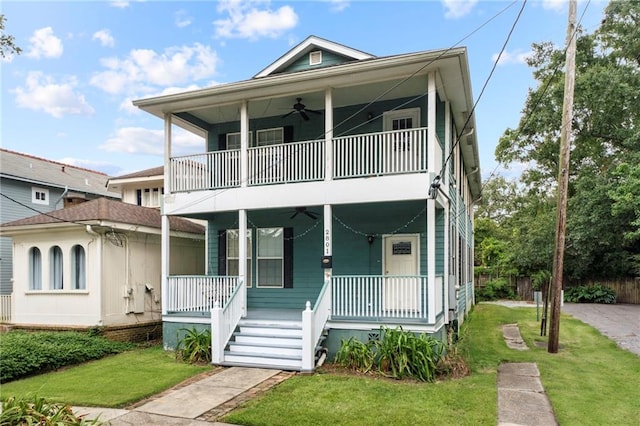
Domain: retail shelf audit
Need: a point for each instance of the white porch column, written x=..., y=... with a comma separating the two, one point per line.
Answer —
x=432, y=163
x=328, y=135
x=244, y=144
x=242, y=249
x=165, y=241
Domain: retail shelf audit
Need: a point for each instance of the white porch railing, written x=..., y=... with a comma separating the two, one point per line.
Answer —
x=6, y=304
x=219, y=169
x=398, y=151
x=292, y=162
x=225, y=319
x=379, y=297
x=313, y=322
x=198, y=293
x=372, y=154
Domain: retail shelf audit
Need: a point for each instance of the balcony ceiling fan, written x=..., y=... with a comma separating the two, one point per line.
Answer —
x=303, y=210
x=301, y=109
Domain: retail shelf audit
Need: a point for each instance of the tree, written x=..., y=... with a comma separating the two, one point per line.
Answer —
x=7, y=43
x=604, y=181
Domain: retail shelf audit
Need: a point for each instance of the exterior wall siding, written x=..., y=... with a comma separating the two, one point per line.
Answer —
x=328, y=59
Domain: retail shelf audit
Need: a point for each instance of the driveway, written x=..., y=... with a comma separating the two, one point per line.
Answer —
x=619, y=322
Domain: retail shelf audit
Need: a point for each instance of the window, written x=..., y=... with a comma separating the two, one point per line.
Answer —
x=40, y=196
x=35, y=269
x=315, y=57
x=270, y=255
x=78, y=268
x=149, y=197
x=233, y=254
x=233, y=140
x=55, y=266
x=270, y=136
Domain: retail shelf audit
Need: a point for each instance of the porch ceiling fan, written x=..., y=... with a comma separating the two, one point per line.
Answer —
x=301, y=109
x=304, y=211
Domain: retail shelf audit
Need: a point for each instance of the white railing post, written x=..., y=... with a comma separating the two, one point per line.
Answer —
x=307, y=339
x=217, y=335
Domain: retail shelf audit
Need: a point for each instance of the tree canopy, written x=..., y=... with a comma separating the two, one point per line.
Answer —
x=7, y=42
x=603, y=225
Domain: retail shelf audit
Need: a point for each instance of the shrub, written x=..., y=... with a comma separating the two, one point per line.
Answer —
x=194, y=346
x=27, y=353
x=355, y=355
x=590, y=294
x=40, y=412
x=495, y=289
x=397, y=354
x=404, y=354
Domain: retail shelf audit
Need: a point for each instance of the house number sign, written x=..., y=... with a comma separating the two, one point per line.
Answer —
x=327, y=242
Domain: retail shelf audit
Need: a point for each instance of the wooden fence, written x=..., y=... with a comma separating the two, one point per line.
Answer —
x=627, y=289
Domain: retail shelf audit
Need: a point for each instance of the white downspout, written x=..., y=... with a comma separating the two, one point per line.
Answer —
x=431, y=203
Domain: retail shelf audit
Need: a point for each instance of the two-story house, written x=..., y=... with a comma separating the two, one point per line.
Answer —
x=338, y=188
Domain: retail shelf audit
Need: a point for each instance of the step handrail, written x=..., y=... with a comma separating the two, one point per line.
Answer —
x=313, y=323
x=225, y=319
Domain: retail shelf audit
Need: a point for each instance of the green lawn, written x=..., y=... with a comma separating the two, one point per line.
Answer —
x=589, y=382
x=114, y=381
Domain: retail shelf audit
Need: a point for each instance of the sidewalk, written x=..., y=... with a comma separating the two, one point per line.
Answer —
x=194, y=404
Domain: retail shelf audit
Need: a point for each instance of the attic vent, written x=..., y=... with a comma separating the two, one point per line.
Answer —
x=315, y=57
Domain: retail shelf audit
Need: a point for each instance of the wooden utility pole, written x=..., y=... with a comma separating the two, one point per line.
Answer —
x=563, y=180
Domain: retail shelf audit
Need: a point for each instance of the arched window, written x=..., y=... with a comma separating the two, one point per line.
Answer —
x=55, y=267
x=78, y=268
x=35, y=269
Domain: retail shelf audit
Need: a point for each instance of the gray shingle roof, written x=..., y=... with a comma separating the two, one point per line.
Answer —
x=154, y=171
x=103, y=209
x=25, y=167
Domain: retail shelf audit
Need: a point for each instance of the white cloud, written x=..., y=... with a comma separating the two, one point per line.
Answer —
x=517, y=57
x=339, y=5
x=144, y=67
x=455, y=9
x=120, y=4
x=556, y=5
x=253, y=19
x=105, y=38
x=183, y=19
x=45, y=44
x=54, y=98
x=138, y=140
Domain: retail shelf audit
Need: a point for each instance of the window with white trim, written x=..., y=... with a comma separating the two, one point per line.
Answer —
x=273, y=136
x=233, y=140
x=149, y=197
x=55, y=268
x=35, y=269
x=233, y=254
x=78, y=268
x=270, y=257
x=40, y=196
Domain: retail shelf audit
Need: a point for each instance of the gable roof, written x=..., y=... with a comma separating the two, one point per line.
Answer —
x=106, y=210
x=40, y=171
x=152, y=172
x=312, y=43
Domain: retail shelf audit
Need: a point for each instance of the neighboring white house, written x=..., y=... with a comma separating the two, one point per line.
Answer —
x=31, y=185
x=142, y=188
x=338, y=190
x=97, y=264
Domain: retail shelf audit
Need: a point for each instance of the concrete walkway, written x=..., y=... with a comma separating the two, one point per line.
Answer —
x=194, y=404
x=521, y=397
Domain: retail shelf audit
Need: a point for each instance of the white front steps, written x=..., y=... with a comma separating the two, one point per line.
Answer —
x=267, y=344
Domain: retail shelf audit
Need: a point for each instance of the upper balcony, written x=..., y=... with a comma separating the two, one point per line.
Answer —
x=357, y=156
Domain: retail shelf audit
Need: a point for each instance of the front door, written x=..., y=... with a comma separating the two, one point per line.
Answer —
x=401, y=283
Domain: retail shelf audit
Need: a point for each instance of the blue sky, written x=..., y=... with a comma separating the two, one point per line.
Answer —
x=68, y=96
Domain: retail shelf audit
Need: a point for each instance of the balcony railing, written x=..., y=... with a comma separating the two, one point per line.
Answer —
x=372, y=154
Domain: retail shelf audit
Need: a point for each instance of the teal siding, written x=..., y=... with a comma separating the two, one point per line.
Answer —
x=173, y=332
x=348, y=123
x=440, y=251
x=352, y=253
x=328, y=59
